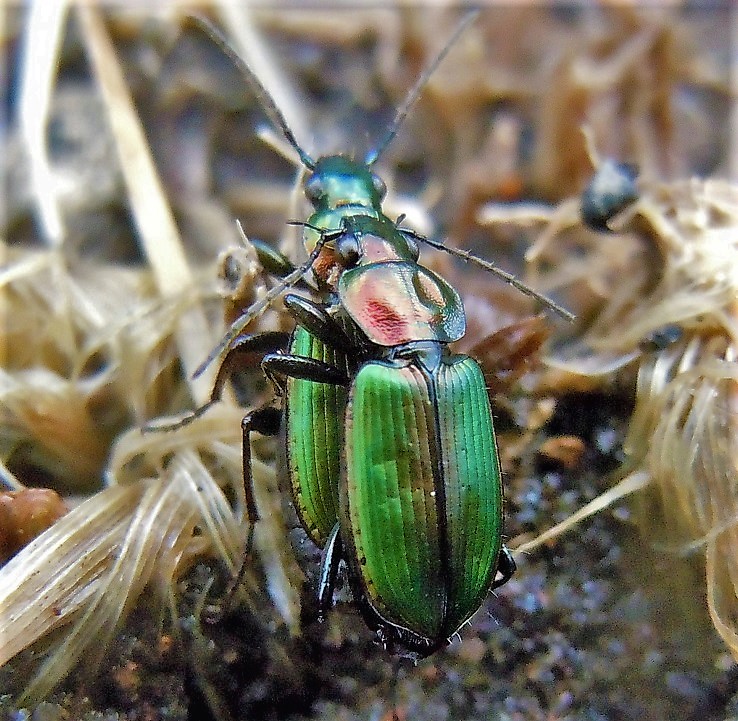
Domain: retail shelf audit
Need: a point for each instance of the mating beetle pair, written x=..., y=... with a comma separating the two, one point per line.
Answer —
x=389, y=440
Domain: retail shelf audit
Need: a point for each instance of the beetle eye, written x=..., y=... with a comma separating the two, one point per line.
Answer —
x=314, y=188
x=348, y=250
x=379, y=187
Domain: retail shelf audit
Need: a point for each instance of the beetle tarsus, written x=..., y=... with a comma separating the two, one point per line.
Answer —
x=154, y=427
x=329, y=563
x=506, y=566
x=236, y=581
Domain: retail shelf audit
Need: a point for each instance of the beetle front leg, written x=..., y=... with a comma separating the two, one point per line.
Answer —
x=277, y=366
x=242, y=345
x=314, y=318
x=506, y=566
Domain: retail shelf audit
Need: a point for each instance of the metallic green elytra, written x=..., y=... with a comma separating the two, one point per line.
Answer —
x=314, y=437
x=389, y=441
x=421, y=495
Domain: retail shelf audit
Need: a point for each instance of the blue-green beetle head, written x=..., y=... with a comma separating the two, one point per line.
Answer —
x=338, y=181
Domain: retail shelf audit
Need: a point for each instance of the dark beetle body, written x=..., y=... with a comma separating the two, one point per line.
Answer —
x=611, y=189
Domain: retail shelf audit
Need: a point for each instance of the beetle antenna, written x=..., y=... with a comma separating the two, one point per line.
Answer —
x=492, y=268
x=304, y=224
x=274, y=114
x=412, y=97
x=258, y=307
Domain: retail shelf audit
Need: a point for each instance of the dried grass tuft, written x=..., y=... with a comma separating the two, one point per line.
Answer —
x=681, y=272
x=93, y=349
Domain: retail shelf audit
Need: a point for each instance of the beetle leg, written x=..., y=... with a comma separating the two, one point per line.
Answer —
x=242, y=345
x=258, y=343
x=506, y=566
x=273, y=262
x=331, y=557
x=314, y=318
x=277, y=366
x=267, y=421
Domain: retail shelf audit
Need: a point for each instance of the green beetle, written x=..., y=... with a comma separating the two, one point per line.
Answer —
x=421, y=496
x=392, y=461
x=420, y=487
x=389, y=440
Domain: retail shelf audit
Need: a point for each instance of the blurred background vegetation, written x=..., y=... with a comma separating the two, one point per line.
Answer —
x=130, y=147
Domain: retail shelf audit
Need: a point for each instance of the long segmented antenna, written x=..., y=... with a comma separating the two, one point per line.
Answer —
x=257, y=308
x=412, y=97
x=492, y=268
x=262, y=94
